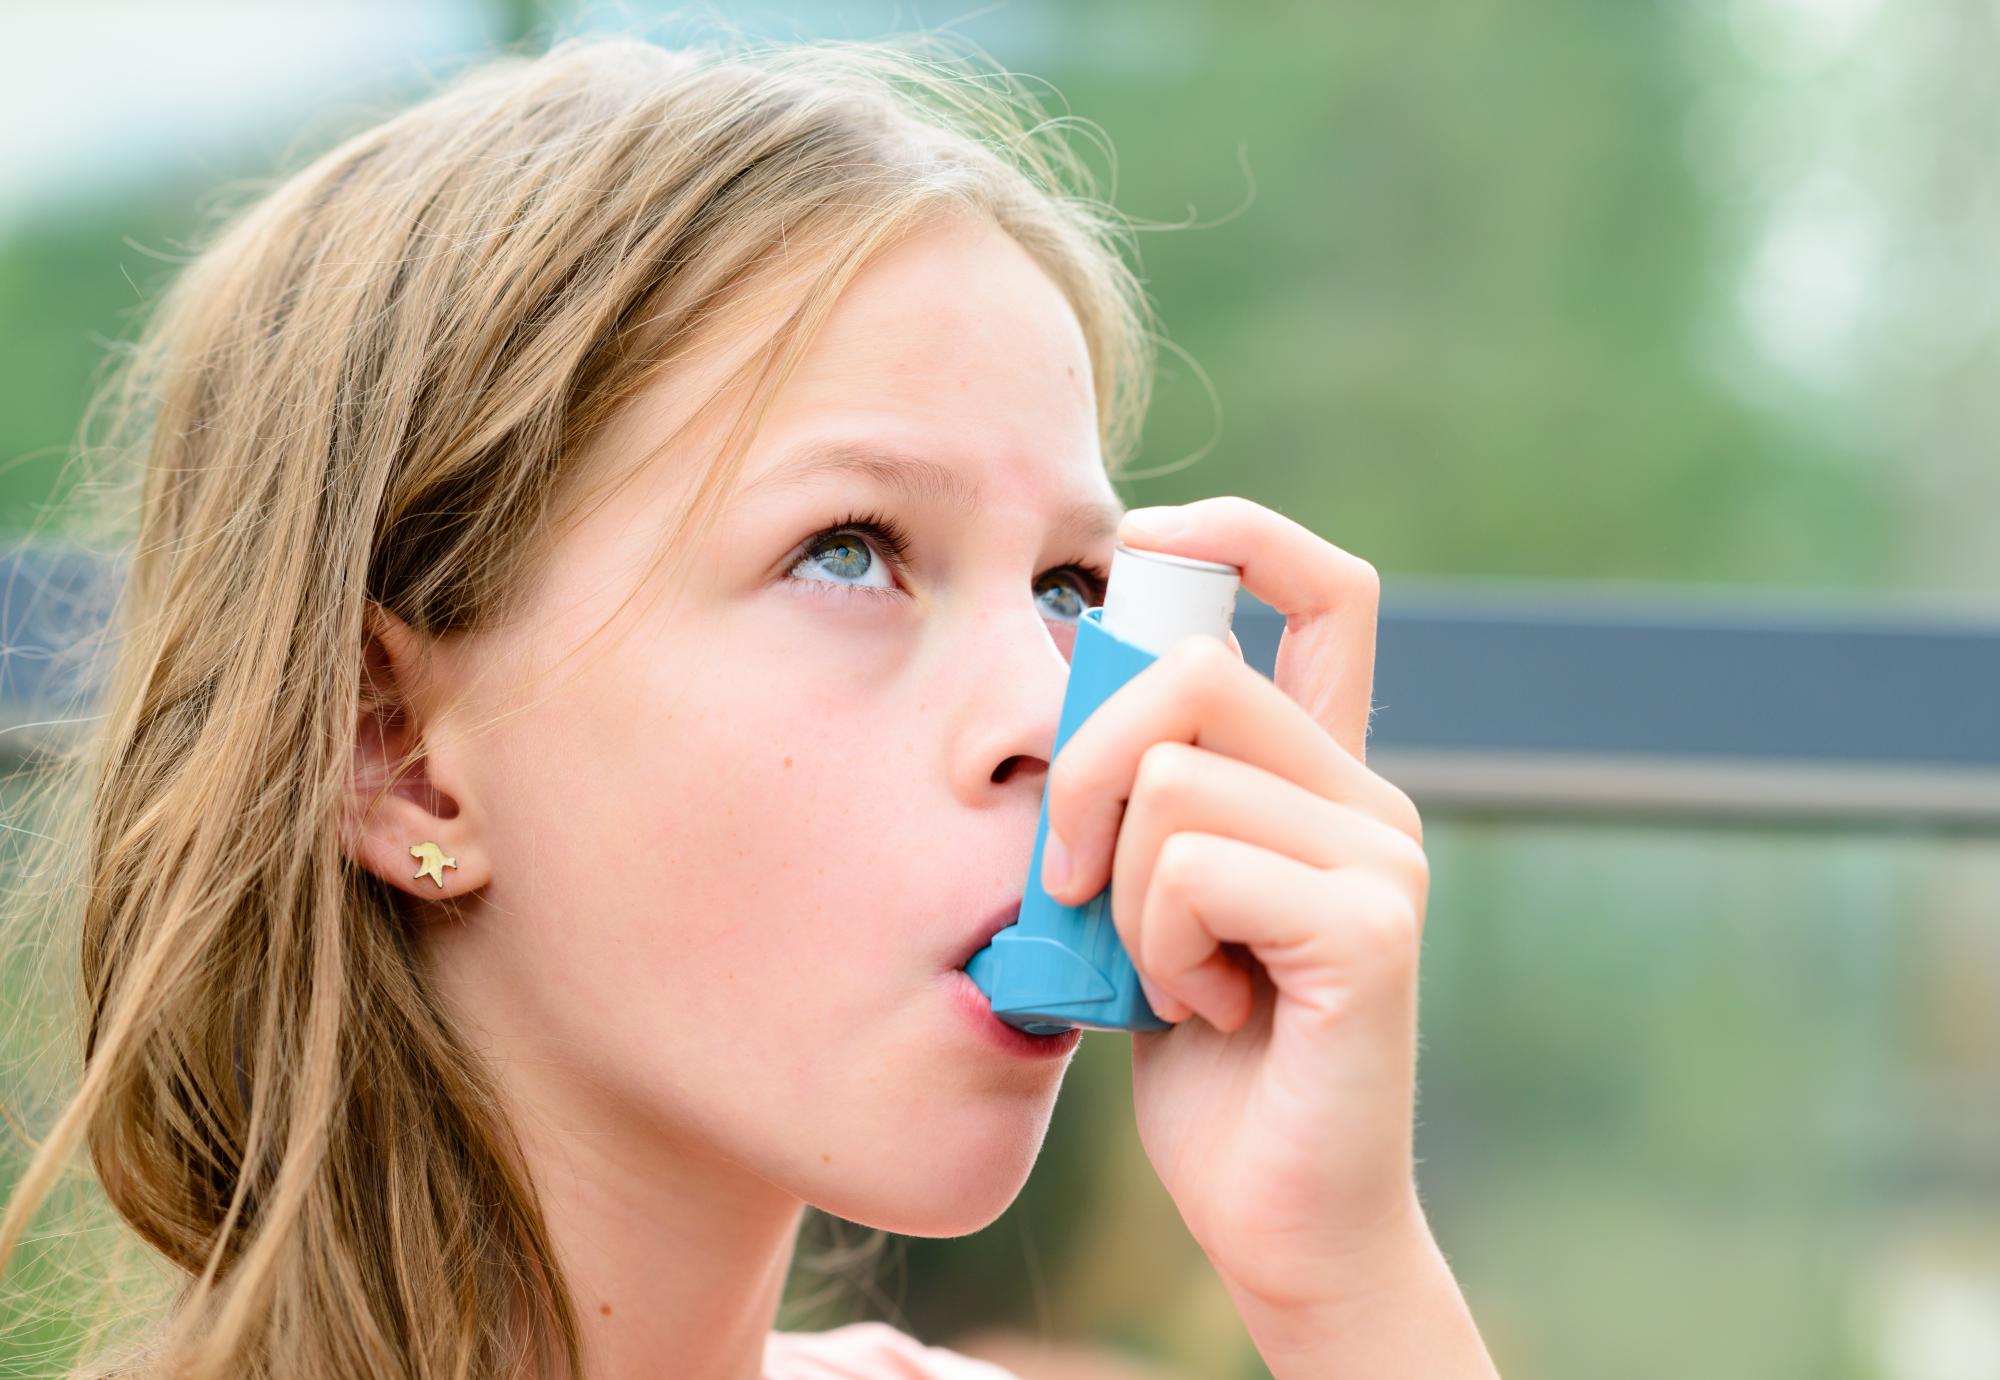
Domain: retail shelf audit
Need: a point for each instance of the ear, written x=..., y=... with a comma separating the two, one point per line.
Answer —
x=416, y=836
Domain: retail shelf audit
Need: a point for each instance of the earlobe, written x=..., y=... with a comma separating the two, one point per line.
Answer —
x=415, y=853
x=399, y=822
x=434, y=862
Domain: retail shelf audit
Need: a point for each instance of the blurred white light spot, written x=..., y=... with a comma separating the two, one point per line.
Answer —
x=1936, y=1322
x=1798, y=36
x=1809, y=283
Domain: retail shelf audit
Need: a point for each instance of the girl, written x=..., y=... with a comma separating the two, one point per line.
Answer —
x=605, y=559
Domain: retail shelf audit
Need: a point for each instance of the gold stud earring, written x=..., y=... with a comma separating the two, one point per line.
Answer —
x=434, y=860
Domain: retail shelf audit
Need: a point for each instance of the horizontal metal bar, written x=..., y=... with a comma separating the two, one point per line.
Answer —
x=1580, y=700
x=1582, y=787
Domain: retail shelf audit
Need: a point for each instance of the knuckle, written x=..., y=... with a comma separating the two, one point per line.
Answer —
x=1065, y=779
x=1200, y=656
x=1385, y=945
x=1205, y=665
x=1412, y=862
x=1175, y=868
x=1362, y=574
x=1383, y=928
x=1404, y=813
x=1377, y=923
x=1166, y=772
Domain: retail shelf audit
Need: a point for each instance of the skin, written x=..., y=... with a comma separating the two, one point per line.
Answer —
x=711, y=892
x=717, y=857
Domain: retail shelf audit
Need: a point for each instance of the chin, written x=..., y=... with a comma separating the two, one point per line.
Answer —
x=933, y=1184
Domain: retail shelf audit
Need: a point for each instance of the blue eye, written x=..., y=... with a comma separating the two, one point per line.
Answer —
x=1078, y=596
x=842, y=555
x=843, y=551
x=838, y=550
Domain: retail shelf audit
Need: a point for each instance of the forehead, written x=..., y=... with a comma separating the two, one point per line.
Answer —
x=961, y=304
x=951, y=368
x=955, y=344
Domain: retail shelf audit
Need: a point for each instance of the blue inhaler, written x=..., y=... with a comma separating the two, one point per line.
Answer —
x=1059, y=966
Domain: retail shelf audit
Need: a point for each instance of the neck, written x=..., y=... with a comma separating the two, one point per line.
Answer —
x=675, y=1255
x=670, y=1253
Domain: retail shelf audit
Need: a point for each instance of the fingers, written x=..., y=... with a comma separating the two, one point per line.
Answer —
x=1329, y=597
x=1328, y=938
x=1202, y=695
x=1182, y=788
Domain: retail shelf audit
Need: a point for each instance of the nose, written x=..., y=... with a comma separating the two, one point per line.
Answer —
x=1014, y=671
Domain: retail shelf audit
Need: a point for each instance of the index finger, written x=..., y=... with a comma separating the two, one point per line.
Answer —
x=1329, y=597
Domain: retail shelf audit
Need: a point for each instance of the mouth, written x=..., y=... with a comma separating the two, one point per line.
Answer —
x=972, y=1004
x=987, y=928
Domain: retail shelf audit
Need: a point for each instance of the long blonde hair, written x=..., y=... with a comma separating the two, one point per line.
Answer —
x=370, y=387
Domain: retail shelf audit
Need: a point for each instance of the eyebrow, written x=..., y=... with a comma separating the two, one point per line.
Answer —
x=922, y=481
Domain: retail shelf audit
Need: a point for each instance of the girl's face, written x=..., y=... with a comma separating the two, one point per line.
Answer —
x=734, y=848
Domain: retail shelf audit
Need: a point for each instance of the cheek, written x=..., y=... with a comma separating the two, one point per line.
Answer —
x=754, y=921
x=706, y=879
x=756, y=831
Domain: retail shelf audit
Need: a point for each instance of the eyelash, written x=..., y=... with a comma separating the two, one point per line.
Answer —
x=894, y=540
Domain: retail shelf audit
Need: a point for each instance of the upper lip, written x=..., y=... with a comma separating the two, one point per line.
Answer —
x=990, y=926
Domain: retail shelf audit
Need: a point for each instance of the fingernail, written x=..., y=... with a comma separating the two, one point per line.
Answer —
x=1154, y=998
x=1164, y=521
x=1055, y=864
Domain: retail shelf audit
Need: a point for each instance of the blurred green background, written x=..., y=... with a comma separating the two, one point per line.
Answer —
x=1699, y=293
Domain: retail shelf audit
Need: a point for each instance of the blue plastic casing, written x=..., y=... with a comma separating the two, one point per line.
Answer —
x=1060, y=966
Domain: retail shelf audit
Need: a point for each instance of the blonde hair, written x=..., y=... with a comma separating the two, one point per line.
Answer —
x=371, y=388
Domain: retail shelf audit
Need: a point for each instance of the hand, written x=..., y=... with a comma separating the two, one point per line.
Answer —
x=1263, y=879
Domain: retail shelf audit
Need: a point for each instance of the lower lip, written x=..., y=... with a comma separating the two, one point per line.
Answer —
x=978, y=1013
